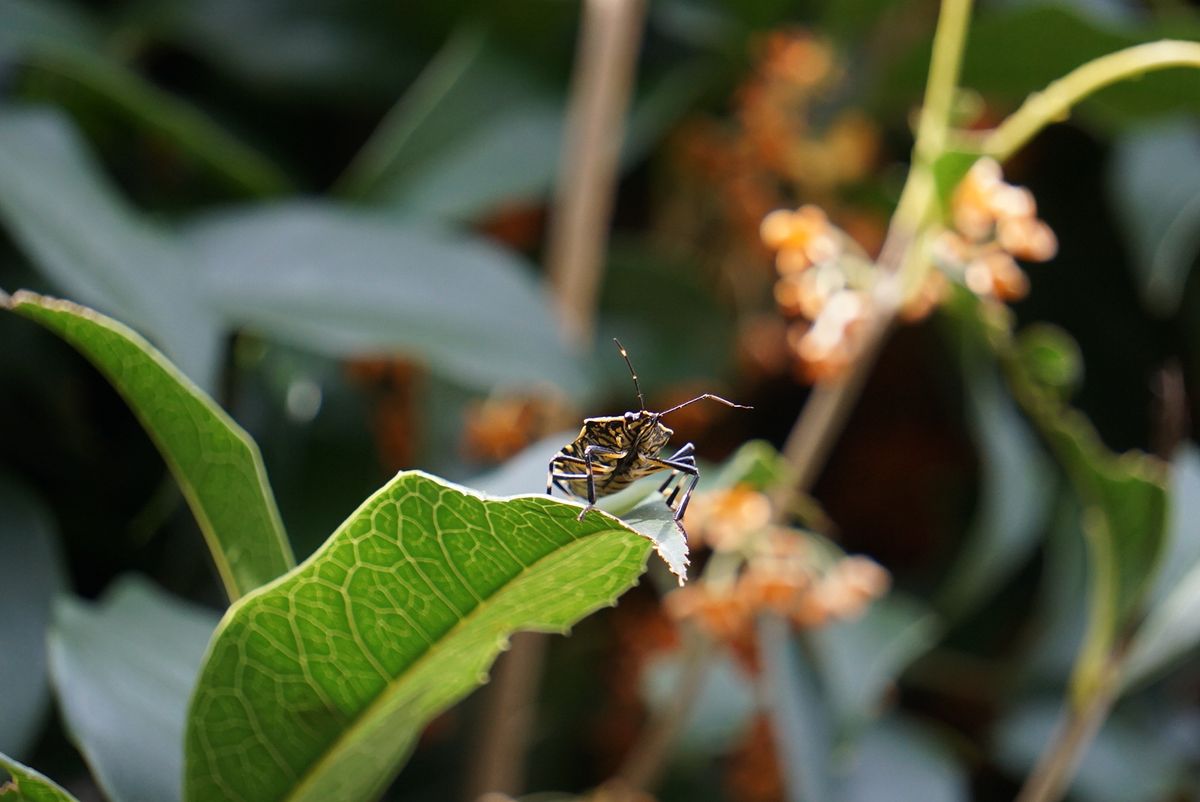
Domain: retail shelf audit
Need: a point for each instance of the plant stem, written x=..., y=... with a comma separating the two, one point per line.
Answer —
x=1052, y=776
x=498, y=765
x=824, y=415
x=1054, y=103
x=602, y=85
x=647, y=758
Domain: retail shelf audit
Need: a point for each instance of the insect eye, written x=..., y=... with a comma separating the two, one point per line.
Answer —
x=631, y=416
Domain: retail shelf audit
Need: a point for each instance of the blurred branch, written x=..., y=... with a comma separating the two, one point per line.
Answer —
x=508, y=713
x=602, y=85
x=647, y=757
x=827, y=409
x=609, y=38
x=1053, y=104
x=1052, y=775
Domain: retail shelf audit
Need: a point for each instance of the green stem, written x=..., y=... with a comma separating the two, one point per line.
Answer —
x=1054, y=103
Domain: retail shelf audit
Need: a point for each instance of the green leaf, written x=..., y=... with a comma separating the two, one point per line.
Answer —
x=28, y=785
x=756, y=463
x=1051, y=358
x=342, y=282
x=1154, y=184
x=28, y=537
x=78, y=231
x=316, y=686
x=1124, y=513
x=1172, y=628
x=123, y=671
x=949, y=169
x=61, y=41
x=217, y=465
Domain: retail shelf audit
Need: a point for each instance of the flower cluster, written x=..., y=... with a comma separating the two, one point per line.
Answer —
x=994, y=224
x=498, y=427
x=775, y=151
x=815, y=288
x=785, y=571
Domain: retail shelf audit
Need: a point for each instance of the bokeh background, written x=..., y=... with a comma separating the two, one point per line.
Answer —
x=333, y=215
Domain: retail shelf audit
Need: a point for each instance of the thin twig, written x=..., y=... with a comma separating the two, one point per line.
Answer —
x=508, y=714
x=646, y=759
x=602, y=85
x=1054, y=103
x=1056, y=767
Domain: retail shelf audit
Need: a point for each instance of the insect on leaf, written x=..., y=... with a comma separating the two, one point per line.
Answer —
x=317, y=685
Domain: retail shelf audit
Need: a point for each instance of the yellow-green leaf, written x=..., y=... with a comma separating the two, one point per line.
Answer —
x=28, y=785
x=316, y=686
x=217, y=465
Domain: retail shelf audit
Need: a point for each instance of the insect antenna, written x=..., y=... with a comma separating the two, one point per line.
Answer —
x=703, y=397
x=633, y=373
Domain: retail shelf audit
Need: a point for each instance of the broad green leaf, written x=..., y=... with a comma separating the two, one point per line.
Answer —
x=62, y=41
x=1154, y=185
x=27, y=785
x=858, y=660
x=217, y=465
x=316, y=685
x=123, y=671
x=1172, y=628
x=32, y=578
x=340, y=281
x=77, y=230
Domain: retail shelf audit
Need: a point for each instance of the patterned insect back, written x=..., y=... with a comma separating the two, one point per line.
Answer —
x=611, y=453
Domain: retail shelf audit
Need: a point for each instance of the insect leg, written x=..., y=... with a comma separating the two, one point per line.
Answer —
x=588, y=454
x=685, y=465
x=550, y=473
x=687, y=496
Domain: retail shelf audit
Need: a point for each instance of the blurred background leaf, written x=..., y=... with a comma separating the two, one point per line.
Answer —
x=34, y=577
x=344, y=282
x=1154, y=182
x=74, y=226
x=123, y=672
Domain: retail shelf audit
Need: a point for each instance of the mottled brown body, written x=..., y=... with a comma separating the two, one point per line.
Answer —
x=611, y=453
x=630, y=444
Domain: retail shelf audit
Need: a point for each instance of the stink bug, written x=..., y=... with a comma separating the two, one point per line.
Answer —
x=611, y=453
